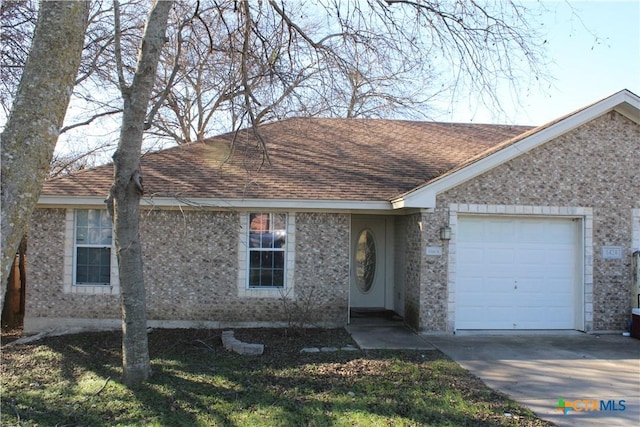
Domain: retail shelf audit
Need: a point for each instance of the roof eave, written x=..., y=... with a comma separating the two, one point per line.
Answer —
x=52, y=201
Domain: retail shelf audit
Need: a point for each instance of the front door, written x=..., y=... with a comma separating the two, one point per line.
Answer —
x=368, y=256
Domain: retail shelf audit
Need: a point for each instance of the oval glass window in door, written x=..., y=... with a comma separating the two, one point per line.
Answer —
x=365, y=260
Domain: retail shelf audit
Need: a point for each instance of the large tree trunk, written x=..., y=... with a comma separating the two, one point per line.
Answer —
x=124, y=201
x=30, y=135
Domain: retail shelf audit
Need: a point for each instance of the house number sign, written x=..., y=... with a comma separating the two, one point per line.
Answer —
x=434, y=251
x=612, y=252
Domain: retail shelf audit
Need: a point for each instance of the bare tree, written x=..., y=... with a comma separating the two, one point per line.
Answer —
x=93, y=79
x=70, y=162
x=17, y=21
x=243, y=62
x=370, y=58
x=126, y=191
x=39, y=107
x=269, y=64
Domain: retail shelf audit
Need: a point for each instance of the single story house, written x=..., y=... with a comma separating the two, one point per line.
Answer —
x=452, y=226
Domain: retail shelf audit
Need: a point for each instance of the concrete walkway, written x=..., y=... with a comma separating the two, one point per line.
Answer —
x=537, y=370
x=376, y=334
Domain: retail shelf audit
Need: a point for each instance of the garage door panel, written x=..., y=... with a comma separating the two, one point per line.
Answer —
x=478, y=230
x=472, y=255
x=497, y=285
x=531, y=233
x=558, y=232
x=558, y=316
x=494, y=285
x=484, y=285
x=527, y=314
x=516, y=273
x=493, y=316
x=498, y=256
x=470, y=232
x=560, y=257
x=497, y=313
x=533, y=256
x=498, y=231
x=529, y=288
x=541, y=304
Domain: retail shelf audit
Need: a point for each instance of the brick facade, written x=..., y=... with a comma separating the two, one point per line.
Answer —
x=322, y=264
x=191, y=272
x=408, y=265
x=45, y=293
x=597, y=167
x=195, y=260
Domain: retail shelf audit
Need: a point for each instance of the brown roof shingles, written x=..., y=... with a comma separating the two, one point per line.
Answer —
x=311, y=159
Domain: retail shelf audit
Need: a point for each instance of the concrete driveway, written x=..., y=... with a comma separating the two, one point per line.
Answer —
x=536, y=370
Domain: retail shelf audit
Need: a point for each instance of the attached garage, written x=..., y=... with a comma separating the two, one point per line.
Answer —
x=518, y=273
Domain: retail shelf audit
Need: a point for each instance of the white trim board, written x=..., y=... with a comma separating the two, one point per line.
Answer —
x=223, y=203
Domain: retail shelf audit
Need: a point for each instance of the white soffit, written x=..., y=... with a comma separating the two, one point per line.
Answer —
x=624, y=102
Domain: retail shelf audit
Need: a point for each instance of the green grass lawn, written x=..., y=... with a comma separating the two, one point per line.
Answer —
x=73, y=380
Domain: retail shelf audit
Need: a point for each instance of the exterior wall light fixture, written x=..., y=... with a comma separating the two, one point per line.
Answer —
x=445, y=233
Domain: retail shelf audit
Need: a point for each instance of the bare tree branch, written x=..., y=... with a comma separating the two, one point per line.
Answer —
x=122, y=83
x=90, y=120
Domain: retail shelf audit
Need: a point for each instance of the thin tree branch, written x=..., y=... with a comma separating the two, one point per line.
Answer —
x=118, y=48
x=174, y=72
x=90, y=120
x=291, y=24
x=245, y=80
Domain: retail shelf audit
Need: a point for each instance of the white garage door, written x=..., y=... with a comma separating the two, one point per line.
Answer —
x=515, y=273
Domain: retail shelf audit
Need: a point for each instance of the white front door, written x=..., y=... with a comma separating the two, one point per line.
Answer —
x=368, y=256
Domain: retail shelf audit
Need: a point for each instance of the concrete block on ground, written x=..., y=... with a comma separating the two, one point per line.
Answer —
x=253, y=349
x=231, y=343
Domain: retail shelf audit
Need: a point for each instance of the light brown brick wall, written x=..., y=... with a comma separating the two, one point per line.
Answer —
x=190, y=265
x=595, y=166
x=433, y=306
x=409, y=244
x=191, y=262
x=45, y=274
x=322, y=264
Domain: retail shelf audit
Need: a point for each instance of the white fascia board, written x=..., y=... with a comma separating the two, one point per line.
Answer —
x=624, y=102
x=291, y=204
x=219, y=203
x=630, y=111
x=70, y=201
x=422, y=199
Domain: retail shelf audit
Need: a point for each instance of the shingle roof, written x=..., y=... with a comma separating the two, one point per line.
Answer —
x=622, y=101
x=311, y=159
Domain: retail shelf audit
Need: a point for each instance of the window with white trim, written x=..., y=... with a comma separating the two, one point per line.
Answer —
x=92, y=248
x=267, y=250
